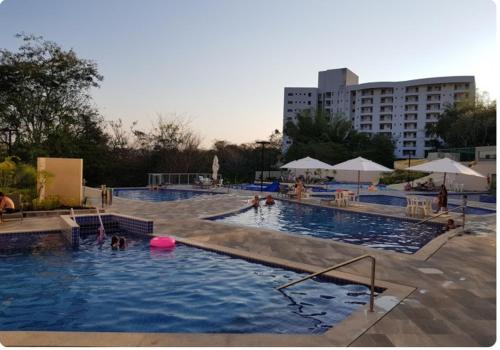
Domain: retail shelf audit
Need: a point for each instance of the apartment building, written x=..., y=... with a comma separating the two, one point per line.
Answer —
x=400, y=110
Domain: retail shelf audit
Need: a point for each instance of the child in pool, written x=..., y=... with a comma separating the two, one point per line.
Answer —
x=122, y=243
x=255, y=201
x=114, y=242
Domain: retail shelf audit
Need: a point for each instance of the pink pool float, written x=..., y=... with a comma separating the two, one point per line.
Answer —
x=164, y=242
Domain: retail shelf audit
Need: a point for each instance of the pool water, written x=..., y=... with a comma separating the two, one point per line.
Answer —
x=401, y=202
x=370, y=230
x=138, y=289
x=160, y=195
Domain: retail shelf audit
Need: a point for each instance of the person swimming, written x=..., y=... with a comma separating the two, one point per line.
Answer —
x=450, y=225
x=256, y=201
x=122, y=243
x=114, y=242
x=270, y=200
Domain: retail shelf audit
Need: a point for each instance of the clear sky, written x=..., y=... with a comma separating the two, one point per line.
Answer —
x=224, y=63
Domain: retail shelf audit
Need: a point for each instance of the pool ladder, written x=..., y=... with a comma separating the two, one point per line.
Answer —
x=372, y=275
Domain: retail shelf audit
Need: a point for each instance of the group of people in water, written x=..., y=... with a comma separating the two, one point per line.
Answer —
x=118, y=242
x=256, y=201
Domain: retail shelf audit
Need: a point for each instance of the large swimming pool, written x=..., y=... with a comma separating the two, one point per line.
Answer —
x=160, y=195
x=49, y=288
x=374, y=231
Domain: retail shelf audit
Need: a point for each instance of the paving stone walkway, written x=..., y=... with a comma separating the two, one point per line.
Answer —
x=455, y=300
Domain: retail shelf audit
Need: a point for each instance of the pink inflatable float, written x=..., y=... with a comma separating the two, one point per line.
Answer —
x=162, y=242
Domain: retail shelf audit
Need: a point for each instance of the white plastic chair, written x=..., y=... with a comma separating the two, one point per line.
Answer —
x=409, y=206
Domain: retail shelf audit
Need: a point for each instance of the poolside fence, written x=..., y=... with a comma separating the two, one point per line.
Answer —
x=155, y=179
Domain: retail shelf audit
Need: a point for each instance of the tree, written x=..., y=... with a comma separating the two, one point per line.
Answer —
x=45, y=99
x=333, y=140
x=467, y=123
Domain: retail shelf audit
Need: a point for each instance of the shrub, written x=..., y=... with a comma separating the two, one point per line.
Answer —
x=49, y=203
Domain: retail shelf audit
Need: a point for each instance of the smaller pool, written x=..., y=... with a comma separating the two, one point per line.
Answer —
x=370, y=230
x=401, y=202
x=477, y=197
x=160, y=195
x=332, y=187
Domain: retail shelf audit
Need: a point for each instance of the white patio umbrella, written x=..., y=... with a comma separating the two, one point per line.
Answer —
x=307, y=163
x=446, y=166
x=215, y=167
x=360, y=164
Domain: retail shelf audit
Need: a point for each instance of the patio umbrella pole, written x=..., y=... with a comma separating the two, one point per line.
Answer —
x=444, y=180
x=358, y=181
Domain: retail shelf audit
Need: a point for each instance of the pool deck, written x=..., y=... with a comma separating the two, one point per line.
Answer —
x=452, y=298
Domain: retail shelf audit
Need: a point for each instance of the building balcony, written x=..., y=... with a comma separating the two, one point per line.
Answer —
x=433, y=107
x=412, y=98
x=412, y=90
x=386, y=118
x=411, y=108
x=411, y=116
x=410, y=126
x=366, y=110
x=386, y=100
x=366, y=119
x=432, y=88
x=409, y=144
x=462, y=86
x=431, y=116
x=433, y=97
x=385, y=109
x=367, y=93
x=367, y=101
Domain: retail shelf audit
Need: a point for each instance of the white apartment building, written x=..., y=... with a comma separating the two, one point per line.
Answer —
x=400, y=109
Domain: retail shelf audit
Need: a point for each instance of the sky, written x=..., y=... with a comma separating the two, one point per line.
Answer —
x=223, y=64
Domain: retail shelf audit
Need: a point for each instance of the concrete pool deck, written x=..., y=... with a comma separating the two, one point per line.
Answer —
x=452, y=302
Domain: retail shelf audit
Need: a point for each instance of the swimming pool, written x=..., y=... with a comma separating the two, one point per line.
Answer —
x=370, y=230
x=332, y=187
x=477, y=197
x=401, y=202
x=160, y=195
x=95, y=288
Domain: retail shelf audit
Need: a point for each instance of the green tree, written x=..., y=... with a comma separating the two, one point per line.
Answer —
x=467, y=123
x=333, y=140
x=45, y=99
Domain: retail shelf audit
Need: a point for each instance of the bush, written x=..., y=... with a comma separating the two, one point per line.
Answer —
x=49, y=203
x=401, y=176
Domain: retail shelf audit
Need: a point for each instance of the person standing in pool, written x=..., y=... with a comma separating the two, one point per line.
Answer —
x=299, y=189
x=443, y=195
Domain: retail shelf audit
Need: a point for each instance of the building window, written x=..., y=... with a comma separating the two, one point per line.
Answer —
x=290, y=102
x=308, y=102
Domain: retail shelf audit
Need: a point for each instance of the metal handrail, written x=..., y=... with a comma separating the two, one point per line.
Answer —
x=372, y=277
x=438, y=215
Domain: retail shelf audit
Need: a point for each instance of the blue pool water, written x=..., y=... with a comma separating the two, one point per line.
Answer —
x=159, y=195
x=48, y=288
x=356, y=228
x=401, y=202
x=477, y=197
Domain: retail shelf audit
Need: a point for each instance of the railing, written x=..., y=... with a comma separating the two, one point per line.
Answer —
x=372, y=276
x=176, y=178
x=442, y=213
